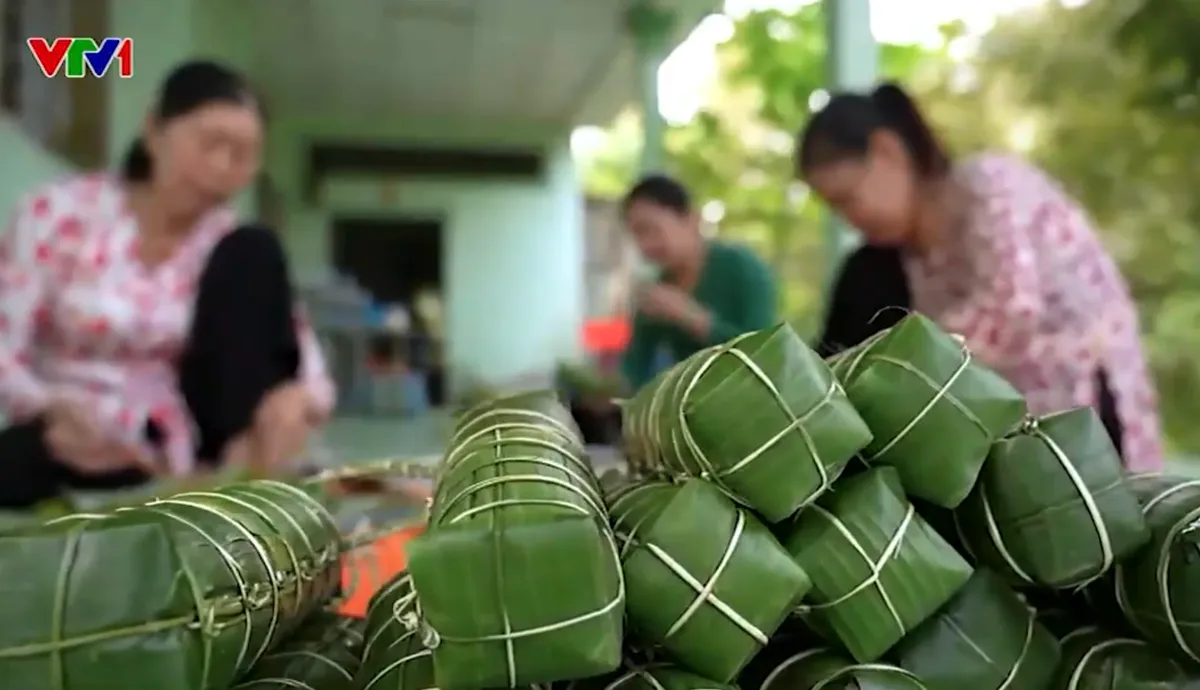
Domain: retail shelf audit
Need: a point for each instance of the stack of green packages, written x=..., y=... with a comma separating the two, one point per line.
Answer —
x=933, y=410
x=186, y=592
x=878, y=570
x=1095, y=660
x=1158, y=588
x=704, y=578
x=323, y=655
x=648, y=677
x=823, y=669
x=517, y=571
x=986, y=638
x=760, y=416
x=1052, y=507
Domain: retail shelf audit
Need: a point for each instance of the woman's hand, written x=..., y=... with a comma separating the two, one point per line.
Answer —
x=74, y=440
x=669, y=303
x=282, y=425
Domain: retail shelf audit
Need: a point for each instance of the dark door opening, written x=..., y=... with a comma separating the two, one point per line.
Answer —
x=398, y=260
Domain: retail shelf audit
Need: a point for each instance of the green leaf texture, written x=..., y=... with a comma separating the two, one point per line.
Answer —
x=878, y=569
x=517, y=573
x=704, y=578
x=761, y=415
x=186, y=592
x=1052, y=507
x=934, y=411
x=986, y=638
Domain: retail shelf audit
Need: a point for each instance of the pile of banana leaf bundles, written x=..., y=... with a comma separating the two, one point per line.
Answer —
x=890, y=519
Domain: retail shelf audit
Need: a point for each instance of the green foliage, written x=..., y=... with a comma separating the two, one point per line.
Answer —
x=1089, y=93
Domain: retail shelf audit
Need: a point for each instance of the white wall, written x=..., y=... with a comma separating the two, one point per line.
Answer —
x=514, y=265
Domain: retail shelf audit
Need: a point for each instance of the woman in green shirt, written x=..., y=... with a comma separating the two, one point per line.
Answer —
x=709, y=291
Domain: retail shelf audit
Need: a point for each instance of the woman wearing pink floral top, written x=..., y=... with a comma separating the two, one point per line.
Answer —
x=996, y=251
x=141, y=331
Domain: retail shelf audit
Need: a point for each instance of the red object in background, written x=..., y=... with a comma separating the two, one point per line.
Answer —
x=370, y=567
x=606, y=336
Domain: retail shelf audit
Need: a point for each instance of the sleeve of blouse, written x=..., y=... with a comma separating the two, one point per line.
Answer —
x=313, y=370
x=999, y=318
x=23, y=282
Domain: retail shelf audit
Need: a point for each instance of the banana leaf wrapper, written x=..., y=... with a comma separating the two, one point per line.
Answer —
x=395, y=654
x=823, y=669
x=986, y=638
x=704, y=578
x=323, y=655
x=517, y=572
x=1095, y=660
x=878, y=570
x=659, y=676
x=761, y=416
x=1157, y=589
x=934, y=411
x=1052, y=507
x=186, y=592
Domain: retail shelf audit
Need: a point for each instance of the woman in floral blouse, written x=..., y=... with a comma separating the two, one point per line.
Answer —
x=996, y=251
x=141, y=331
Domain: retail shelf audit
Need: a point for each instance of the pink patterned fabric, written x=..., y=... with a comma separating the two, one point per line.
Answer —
x=1028, y=285
x=82, y=319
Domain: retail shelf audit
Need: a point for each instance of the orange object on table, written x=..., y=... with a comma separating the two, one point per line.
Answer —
x=370, y=567
x=601, y=336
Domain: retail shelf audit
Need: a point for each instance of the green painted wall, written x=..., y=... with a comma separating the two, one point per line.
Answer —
x=514, y=269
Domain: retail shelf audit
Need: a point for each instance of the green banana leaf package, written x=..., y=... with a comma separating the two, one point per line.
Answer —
x=186, y=592
x=1052, y=507
x=395, y=656
x=1095, y=660
x=824, y=669
x=704, y=578
x=878, y=570
x=986, y=638
x=655, y=676
x=517, y=572
x=1158, y=588
x=323, y=655
x=761, y=416
x=934, y=411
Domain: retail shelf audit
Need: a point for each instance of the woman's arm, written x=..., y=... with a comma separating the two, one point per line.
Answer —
x=314, y=373
x=26, y=256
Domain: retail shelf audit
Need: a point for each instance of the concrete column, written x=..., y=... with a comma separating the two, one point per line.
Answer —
x=853, y=64
x=652, y=29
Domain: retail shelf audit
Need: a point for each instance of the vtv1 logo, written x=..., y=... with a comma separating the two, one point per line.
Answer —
x=80, y=56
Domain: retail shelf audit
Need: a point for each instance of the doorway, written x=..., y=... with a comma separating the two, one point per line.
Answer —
x=399, y=261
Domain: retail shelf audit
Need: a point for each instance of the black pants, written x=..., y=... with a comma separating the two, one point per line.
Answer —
x=241, y=345
x=1106, y=408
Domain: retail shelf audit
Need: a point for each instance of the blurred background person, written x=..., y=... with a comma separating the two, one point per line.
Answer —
x=143, y=332
x=707, y=292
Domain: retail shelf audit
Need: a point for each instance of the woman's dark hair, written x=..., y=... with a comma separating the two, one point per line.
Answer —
x=843, y=129
x=659, y=189
x=188, y=87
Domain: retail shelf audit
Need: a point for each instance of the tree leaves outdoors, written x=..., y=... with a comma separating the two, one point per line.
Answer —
x=1082, y=89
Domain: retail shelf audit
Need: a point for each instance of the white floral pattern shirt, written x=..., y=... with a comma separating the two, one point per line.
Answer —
x=1029, y=286
x=82, y=319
